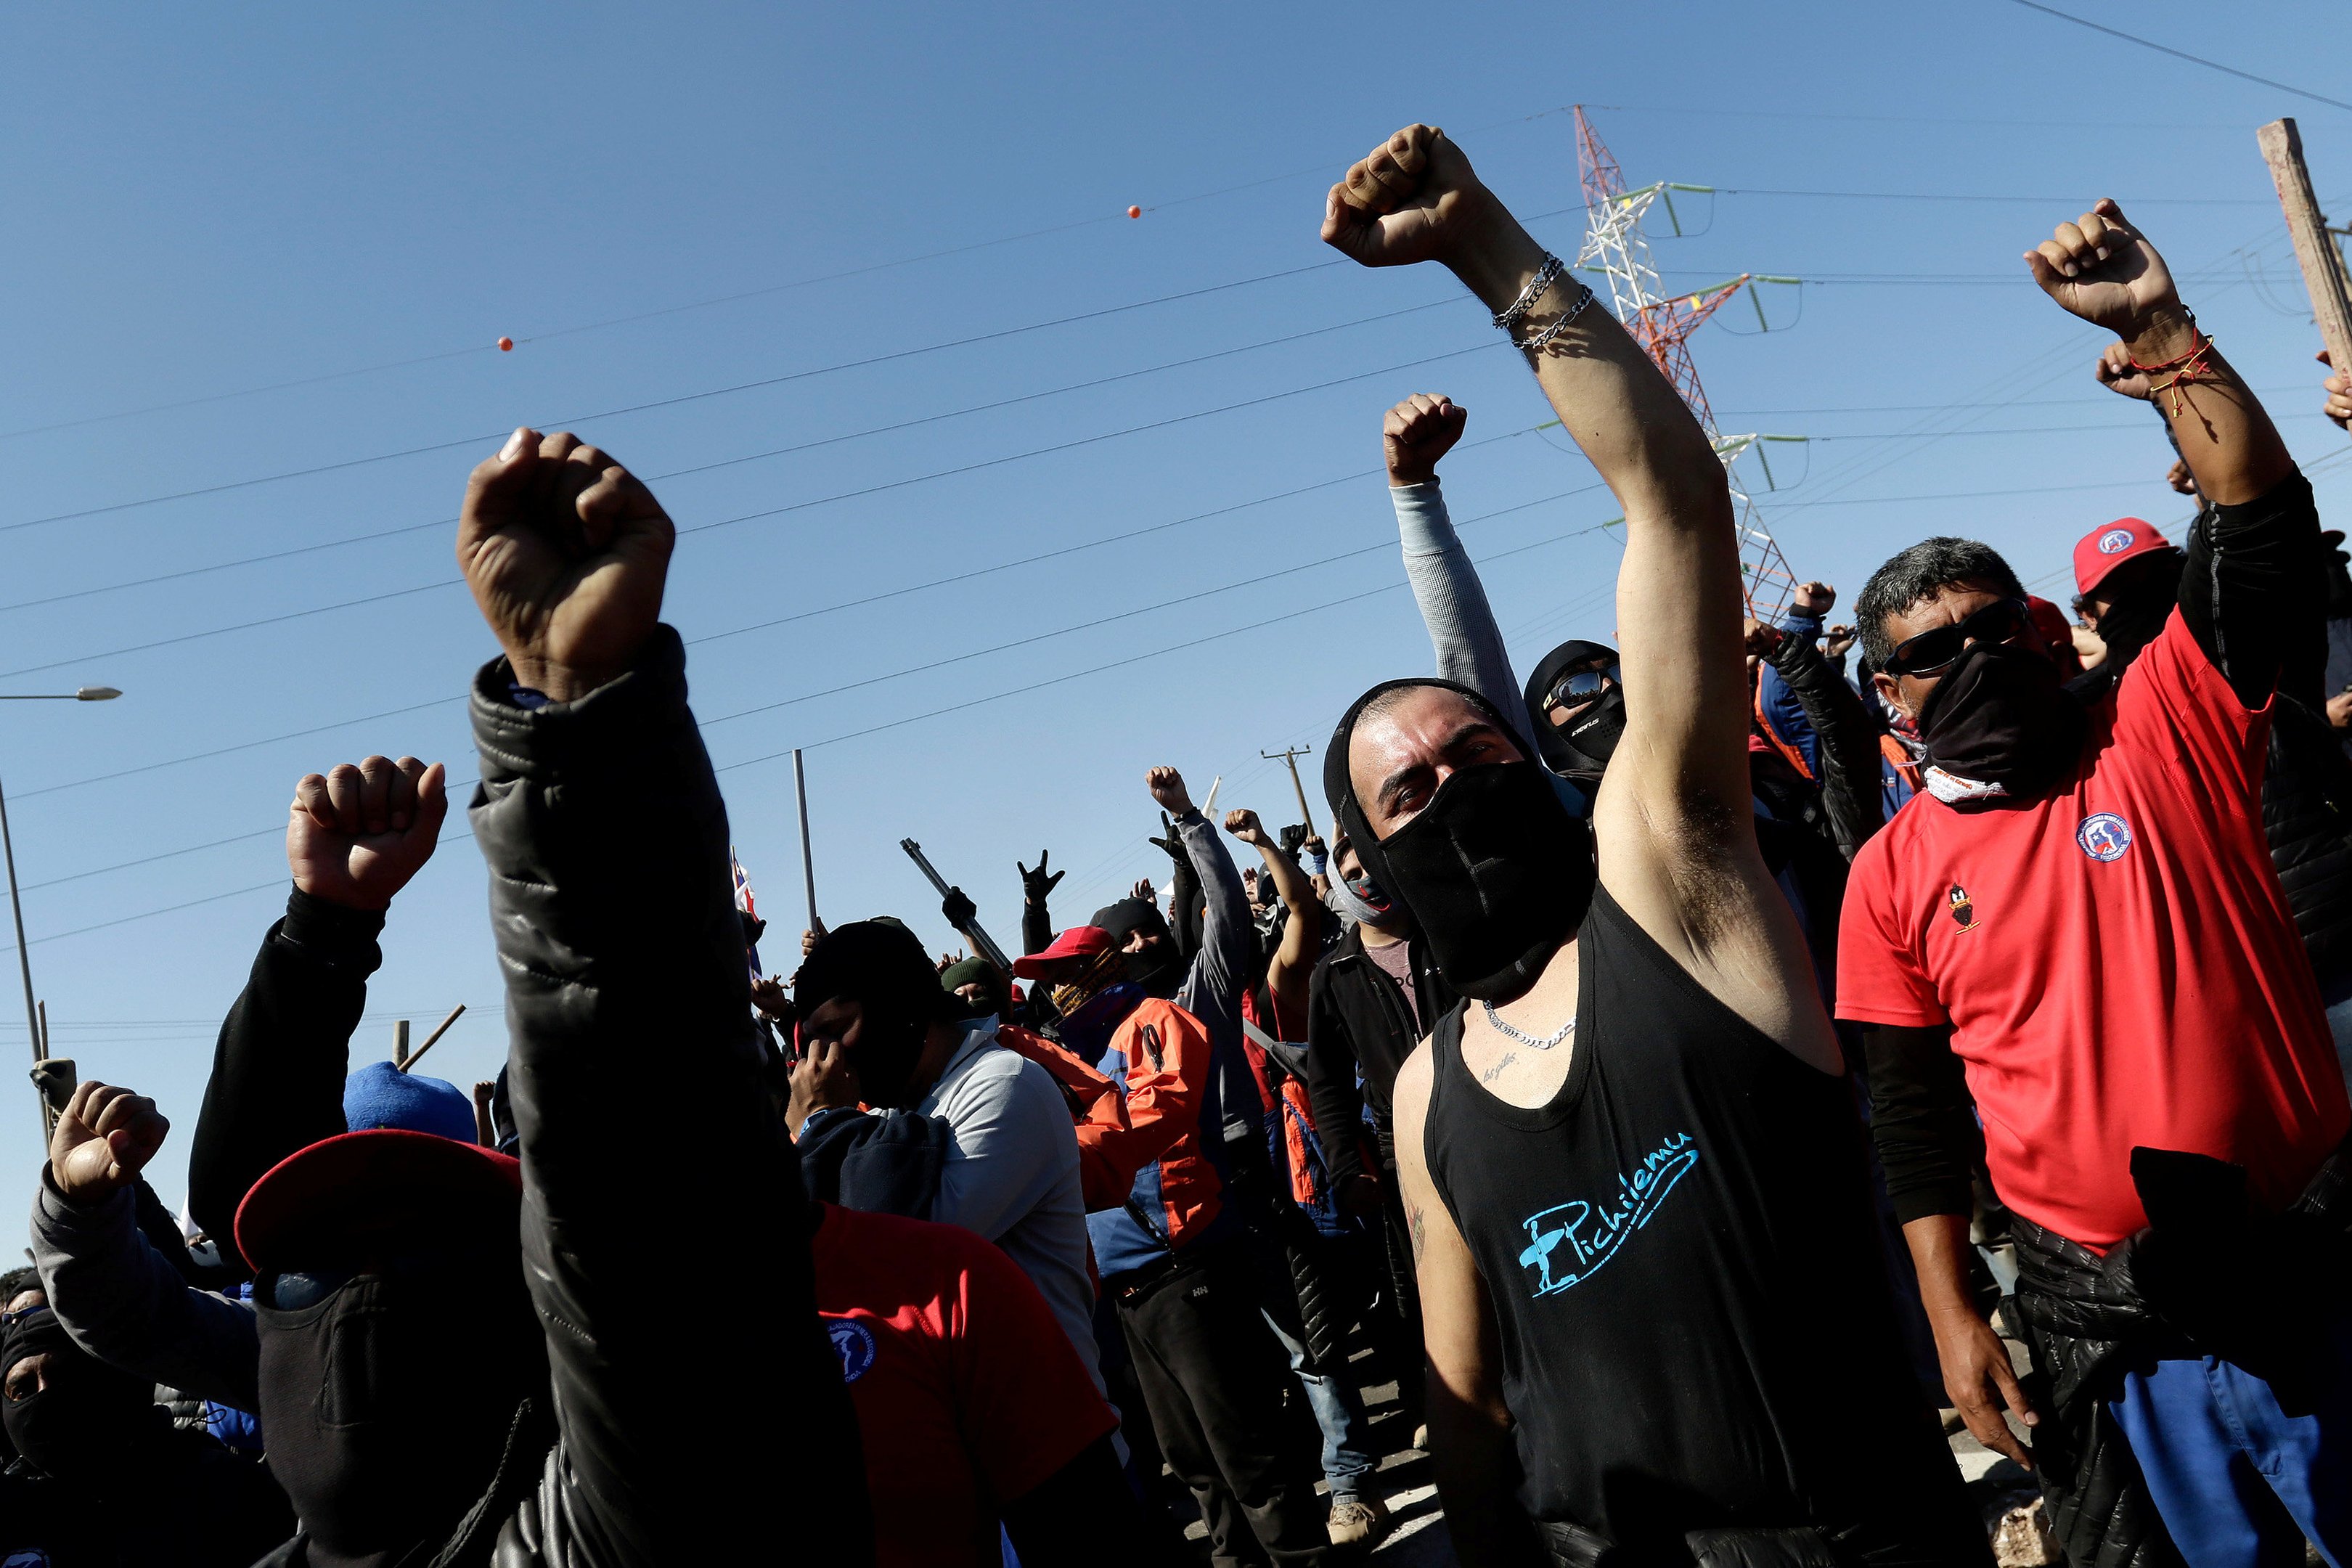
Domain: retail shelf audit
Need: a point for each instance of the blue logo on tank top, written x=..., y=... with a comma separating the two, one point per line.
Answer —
x=1569, y=1242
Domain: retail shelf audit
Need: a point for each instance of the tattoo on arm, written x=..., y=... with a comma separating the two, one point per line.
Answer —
x=1492, y=1073
x=1417, y=1224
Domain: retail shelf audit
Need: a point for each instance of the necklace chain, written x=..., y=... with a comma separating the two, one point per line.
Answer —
x=1527, y=1039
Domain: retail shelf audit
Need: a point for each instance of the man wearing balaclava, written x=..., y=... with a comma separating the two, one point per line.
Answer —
x=2081, y=919
x=455, y=1358
x=1628, y=1150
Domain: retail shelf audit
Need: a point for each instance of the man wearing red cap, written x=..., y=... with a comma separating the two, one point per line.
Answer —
x=1172, y=1262
x=2081, y=918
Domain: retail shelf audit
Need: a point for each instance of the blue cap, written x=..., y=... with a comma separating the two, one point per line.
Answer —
x=381, y=1095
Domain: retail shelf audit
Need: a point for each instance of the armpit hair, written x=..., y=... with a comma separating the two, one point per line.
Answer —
x=1714, y=900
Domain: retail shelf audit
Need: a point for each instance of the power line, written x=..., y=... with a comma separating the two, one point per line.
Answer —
x=748, y=458
x=2182, y=55
x=901, y=483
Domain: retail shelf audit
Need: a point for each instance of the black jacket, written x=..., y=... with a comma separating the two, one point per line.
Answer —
x=698, y=1404
x=1357, y=1023
x=2307, y=816
x=1848, y=737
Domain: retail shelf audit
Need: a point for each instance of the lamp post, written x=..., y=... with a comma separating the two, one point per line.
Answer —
x=16, y=904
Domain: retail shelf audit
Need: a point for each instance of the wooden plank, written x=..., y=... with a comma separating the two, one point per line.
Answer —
x=2315, y=249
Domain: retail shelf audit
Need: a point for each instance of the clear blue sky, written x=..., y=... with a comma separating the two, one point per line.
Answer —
x=202, y=201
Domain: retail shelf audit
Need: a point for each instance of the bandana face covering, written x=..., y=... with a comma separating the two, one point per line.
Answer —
x=1998, y=722
x=1497, y=874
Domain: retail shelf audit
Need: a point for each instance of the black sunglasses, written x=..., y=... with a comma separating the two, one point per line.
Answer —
x=1580, y=686
x=1933, y=652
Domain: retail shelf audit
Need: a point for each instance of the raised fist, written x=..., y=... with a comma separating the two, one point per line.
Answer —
x=958, y=910
x=566, y=553
x=1813, y=599
x=104, y=1138
x=2114, y=372
x=2182, y=482
x=1417, y=433
x=357, y=834
x=1144, y=889
x=1838, y=641
x=2338, y=387
x=2101, y=269
x=1415, y=198
x=1167, y=787
x=1243, y=825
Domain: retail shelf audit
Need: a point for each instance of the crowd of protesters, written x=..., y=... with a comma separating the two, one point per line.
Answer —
x=1640, y=1077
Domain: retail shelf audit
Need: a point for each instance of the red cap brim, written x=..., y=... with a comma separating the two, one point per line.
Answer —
x=322, y=1194
x=1078, y=942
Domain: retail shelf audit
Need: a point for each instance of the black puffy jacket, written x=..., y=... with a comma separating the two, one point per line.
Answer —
x=2307, y=816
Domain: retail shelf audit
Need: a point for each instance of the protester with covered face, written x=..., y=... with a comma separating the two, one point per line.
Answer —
x=1812, y=718
x=2084, y=915
x=1634, y=1224
x=103, y=1475
x=1173, y=1256
x=1008, y=1169
x=566, y=1424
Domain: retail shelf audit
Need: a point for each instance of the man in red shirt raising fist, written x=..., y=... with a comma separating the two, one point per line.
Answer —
x=2083, y=913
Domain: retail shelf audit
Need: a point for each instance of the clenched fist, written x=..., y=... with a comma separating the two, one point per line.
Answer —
x=566, y=553
x=1167, y=787
x=357, y=834
x=2102, y=269
x=1245, y=826
x=104, y=1138
x=1415, y=198
x=1417, y=433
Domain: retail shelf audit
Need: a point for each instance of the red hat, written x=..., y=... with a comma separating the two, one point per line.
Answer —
x=356, y=1181
x=2103, y=550
x=1078, y=942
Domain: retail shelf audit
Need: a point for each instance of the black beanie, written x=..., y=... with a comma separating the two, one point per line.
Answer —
x=879, y=963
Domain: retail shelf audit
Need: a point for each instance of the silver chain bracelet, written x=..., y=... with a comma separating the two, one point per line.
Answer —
x=1546, y=276
x=1543, y=339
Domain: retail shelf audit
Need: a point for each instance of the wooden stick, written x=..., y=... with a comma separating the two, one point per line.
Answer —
x=2314, y=252
x=400, y=1045
x=439, y=1029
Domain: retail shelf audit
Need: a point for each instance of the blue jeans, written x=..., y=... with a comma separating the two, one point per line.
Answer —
x=1340, y=1412
x=2237, y=1481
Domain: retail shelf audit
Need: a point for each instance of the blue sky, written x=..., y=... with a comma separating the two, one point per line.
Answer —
x=351, y=207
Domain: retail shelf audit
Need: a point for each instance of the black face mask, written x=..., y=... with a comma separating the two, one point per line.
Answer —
x=1497, y=873
x=389, y=1400
x=889, y=1044
x=2138, y=614
x=1590, y=737
x=86, y=1428
x=1157, y=969
x=1999, y=716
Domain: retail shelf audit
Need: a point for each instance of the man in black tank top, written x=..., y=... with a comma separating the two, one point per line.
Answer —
x=1633, y=1179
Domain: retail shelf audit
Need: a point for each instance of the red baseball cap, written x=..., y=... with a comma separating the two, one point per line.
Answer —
x=1078, y=942
x=382, y=1179
x=2103, y=550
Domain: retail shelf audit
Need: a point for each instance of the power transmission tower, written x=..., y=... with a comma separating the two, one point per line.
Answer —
x=1615, y=247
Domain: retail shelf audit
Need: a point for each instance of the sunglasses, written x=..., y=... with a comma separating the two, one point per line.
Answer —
x=1580, y=686
x=1933, y=652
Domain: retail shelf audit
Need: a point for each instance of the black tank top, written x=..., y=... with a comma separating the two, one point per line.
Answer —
x=1682, y=1257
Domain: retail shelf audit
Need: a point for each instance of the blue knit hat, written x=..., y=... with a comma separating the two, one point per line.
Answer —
x=381, y=1095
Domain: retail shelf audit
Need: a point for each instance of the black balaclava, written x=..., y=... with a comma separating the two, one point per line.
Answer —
x=881, y=966
x=975, y=972
x=1158, y=968
x=2000, y=716
x=1494, y=869
x=1585, y=746
x=86, y=1427
x=389, y=1400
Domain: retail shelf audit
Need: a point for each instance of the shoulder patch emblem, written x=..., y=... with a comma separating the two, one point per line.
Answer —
x=1963, y=907
x=854, y=1342
x=2103, y=836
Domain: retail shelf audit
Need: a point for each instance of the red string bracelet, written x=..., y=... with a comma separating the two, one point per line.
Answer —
x=2186, y=368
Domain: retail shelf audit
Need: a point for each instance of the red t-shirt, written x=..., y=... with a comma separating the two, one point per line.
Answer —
x=2116, y=959
x=968, y=1392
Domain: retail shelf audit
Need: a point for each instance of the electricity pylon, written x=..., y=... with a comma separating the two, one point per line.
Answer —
x=1615, y=247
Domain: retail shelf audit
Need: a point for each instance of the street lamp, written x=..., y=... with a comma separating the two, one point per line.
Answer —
x=16, y=904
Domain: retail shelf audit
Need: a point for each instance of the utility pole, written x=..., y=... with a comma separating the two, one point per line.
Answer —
x=2314, y=252
x=1290, y=759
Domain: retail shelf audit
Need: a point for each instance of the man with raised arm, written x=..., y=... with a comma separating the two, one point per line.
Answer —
x=1631, y=1168
x=2082, y=921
